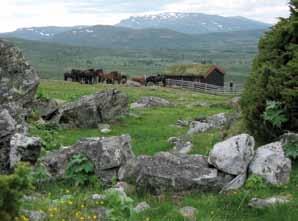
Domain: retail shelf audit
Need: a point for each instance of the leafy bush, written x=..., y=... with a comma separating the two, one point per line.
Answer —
x=120, y=206
x=274, y=77
x=255, y=183
x=49, y=134
x=79, y=170
x=291, y=150
x=11, y=189
x=274, y=114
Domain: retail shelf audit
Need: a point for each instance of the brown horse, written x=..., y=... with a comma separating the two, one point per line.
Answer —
x=114, y=76
x=140, y=80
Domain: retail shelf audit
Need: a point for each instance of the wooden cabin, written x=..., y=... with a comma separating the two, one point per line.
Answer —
x=204, y=73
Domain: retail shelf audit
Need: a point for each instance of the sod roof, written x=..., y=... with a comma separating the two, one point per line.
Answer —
x=192, y=69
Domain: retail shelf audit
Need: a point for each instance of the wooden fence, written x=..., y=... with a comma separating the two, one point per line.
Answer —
x=206, y=88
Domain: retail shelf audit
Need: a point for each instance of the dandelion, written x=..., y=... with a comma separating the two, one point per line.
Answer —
x=94, y=217
x=82, y=218
x=82, y=206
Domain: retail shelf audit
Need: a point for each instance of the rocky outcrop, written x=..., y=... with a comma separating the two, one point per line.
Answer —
x=270, y=163
x=146, y=102
x=166, y=172
x=7, y=129
x=91, y=110
x=18, y=80
x=18, y=85
x=24, y=148
x=217, y=121
x=106, y=154
x=233, y=155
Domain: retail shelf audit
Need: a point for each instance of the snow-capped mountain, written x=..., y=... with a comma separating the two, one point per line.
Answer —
x=193, y=23
x=39, y=33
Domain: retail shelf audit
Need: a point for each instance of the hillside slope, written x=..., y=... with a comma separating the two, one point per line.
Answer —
x=193, y=23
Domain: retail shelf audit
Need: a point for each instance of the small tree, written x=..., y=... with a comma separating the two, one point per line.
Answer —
x=274, y=78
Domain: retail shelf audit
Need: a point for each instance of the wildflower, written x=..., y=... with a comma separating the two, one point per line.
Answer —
x=67, y=191
x=94, y=217
x=82, y=206
x=70, y=202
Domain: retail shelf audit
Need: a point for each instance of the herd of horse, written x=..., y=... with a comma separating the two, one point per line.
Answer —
x=92, y=76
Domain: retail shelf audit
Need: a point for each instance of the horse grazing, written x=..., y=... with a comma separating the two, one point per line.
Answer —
x=140, y=80
x=154, y=80
x=114, y=76
x=68, y=75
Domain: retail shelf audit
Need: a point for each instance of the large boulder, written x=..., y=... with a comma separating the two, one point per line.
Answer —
x=271, y=164
x=7, y=129
x=146, y=102
x=233, y=155
x=166, y=172
x=91, y=110
x=106, y=154
x=18, y=80
x=24, y=148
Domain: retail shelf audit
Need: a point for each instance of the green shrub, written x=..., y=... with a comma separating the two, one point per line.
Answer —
x=50, y=134
x=291, y=150
x=120, y=206
x=255, y=183
x=274, y=114
x=11, y=189
x=80, y=170
x=274, y=78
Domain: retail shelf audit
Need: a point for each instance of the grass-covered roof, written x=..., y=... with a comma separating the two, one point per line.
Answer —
x=191, y=69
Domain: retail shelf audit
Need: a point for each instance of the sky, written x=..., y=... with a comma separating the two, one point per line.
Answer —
x=28, y=13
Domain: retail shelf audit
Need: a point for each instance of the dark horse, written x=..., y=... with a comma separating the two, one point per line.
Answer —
x=89, y=76
x=155, y=80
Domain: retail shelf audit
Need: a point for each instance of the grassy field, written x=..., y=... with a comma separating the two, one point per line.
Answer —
x=52, y=60
x=150, y=130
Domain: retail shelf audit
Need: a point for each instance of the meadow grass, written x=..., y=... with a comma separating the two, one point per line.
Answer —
x=150, y=129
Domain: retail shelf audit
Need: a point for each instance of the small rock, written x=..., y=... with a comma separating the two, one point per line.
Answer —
x=235, y=184
x=146, y=102
x=173, y=140
x=127, y=188
x=131, y=83
x=105, y=131
x=141, y=207
x=103, y=126
x=189, y=213
x=98, y=197
x=182, y=123
x=268, y=202
x=35, y=215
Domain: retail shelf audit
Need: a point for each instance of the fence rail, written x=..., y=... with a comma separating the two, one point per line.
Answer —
x=205, y=88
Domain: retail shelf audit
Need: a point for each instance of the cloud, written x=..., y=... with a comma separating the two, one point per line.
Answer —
x=26, y=13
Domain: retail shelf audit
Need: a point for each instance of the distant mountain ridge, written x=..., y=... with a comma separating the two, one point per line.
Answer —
x=38, y=33
x=169, y=31
x=193, y=23
x=101, y=36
